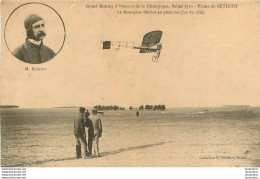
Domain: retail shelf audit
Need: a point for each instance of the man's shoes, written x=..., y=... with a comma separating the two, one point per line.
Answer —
x=88, y=154
x=86, y=157
x=96, y=156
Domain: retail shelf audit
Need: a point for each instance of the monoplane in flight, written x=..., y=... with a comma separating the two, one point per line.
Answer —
x=151, y=43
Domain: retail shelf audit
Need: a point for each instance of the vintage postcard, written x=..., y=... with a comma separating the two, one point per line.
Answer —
x=130, y=84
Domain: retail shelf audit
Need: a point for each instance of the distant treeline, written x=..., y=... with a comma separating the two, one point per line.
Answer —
x=111, y=107
x=66, y=107
x=142, y=107
x=8, y=106
x=149, y=107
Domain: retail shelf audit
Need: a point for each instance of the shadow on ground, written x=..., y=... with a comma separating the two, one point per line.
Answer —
x=103, y=154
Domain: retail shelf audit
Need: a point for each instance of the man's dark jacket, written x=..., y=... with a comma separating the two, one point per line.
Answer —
x=89, y=124
x=79, y=126
x=32, y=53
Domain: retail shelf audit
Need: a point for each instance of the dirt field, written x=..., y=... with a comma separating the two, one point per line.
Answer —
x=221, y=137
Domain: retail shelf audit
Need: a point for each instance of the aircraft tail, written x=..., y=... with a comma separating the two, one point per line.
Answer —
x=106, y=44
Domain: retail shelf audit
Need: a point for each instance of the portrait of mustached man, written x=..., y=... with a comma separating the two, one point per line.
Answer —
x=32, y=50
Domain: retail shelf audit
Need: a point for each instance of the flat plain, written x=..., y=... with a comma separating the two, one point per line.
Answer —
x=177, y=137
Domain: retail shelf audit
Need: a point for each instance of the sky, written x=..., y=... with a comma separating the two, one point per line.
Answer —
x=206, y=60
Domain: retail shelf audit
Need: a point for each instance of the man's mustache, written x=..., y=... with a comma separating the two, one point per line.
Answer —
x=41, y=34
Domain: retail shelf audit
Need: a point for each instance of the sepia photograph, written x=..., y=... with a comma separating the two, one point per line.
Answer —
x=27, y=23
x=135, y=84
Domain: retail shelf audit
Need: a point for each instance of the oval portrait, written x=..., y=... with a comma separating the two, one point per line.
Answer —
x=34, y=33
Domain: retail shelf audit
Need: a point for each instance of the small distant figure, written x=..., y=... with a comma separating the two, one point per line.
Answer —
x=80, y=134
x=97, y=124
x=137, y=114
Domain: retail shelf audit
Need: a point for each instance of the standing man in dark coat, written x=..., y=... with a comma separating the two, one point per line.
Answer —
x=80, y=134
x=33, y=51
x=89, y=125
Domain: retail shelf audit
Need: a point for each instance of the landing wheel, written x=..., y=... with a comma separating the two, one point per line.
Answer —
x=156, y=56
x=155, y=59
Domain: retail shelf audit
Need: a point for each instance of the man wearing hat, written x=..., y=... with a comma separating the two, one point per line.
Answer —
x=33, y=51
x=97, y=124
x=90, y=129
x=80, y=134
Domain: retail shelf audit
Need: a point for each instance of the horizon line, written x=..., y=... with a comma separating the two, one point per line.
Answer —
x=224, y=106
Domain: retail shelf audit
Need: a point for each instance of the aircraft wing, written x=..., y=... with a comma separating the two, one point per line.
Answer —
x=145, y=49
x=152, y=38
